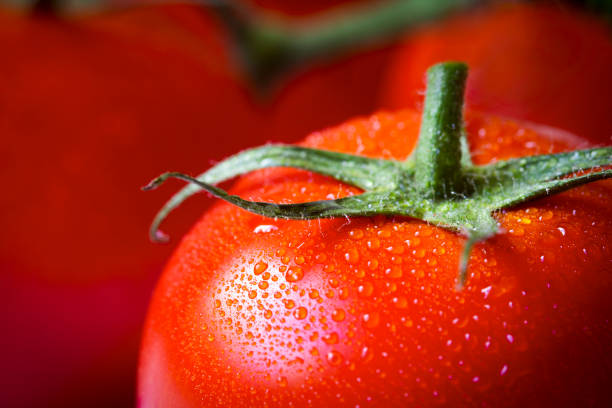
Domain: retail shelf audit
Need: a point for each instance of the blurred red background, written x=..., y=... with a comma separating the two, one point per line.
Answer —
x=91, y=108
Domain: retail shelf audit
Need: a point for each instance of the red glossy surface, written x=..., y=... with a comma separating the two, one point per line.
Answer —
x=256, y=312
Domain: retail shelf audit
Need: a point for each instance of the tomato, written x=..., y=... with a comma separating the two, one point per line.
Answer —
x=252, y=311
x=89, y=109
x=540, y=63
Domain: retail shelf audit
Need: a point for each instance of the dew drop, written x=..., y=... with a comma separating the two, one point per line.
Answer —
x=252, y=294
x=356, y=234
x=400, y=302
x=294, y=274
x=333, y=282
x=371, y=320
x=343, y=293
x=366, y=354
x=419, y=253
x=338, y=315
x=366, y=289
x=334, y=358
x=260, y=267
x=394, y=272
x=331, y=338
x=300, y=313
x=373, y=244
x=352, y=256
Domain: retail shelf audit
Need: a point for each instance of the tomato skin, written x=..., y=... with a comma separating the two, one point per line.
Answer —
x=539, y=63
x=90, y=109
x=363, y=312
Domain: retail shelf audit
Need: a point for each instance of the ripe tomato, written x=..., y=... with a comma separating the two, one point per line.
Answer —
x=531, y=62
x=252, y=311
x=88, y=109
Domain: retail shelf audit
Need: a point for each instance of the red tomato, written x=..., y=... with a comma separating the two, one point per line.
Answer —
x=530, y=62
x=88, y=110
x=253, y=312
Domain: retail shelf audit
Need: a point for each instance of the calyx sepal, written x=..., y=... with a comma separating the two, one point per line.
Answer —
x=453, y=194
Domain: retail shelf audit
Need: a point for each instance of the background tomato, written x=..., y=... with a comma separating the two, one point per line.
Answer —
x=253, y=311
x=536, y=62
x=89, y=110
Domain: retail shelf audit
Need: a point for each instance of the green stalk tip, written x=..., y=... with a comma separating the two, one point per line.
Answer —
x=437, y=156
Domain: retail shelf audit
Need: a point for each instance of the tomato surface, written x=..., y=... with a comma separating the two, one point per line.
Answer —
x=361, y=312
x=89, y=109
x=542, y=63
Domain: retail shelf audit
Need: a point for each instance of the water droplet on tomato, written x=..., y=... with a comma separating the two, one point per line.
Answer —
x=365, y=289
x=300, y=313
x=400, y=302
x=294, y=274
x=356, y=234
x=366, y=354
x=334, y=358
x=331, y=338
x=371, y=320
x=338, y=315
x=352, y=256
x=394, y=272
x=260, y=267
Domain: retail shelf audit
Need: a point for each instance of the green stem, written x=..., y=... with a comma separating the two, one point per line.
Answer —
x=270, y=48
x=437, y=157
x=438, y=184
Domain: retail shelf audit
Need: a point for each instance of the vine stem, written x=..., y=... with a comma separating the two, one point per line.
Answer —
x=269, y=48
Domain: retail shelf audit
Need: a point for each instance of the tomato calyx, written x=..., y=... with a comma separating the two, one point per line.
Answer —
x=437, y=183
